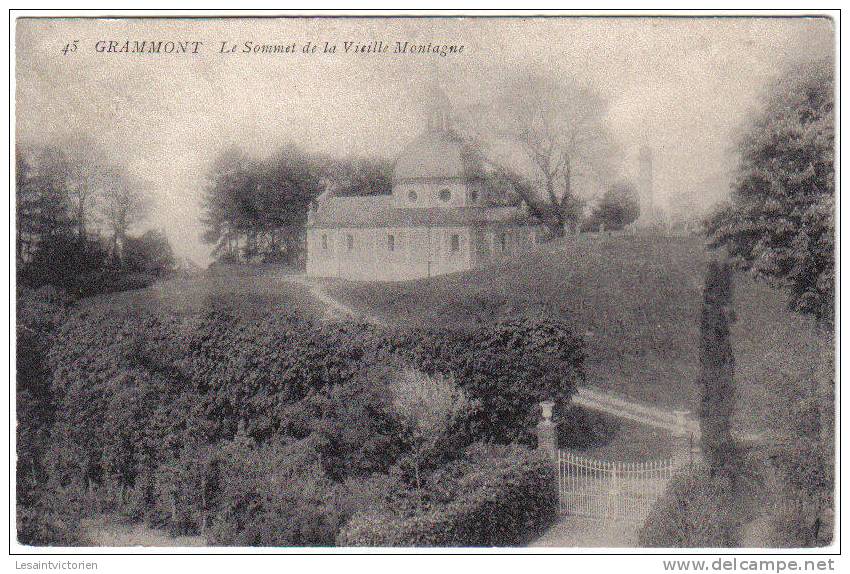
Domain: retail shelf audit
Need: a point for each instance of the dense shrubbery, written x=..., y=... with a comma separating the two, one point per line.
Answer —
x=498, y=497
x=38, y=313
x=271, y=495
x=277, y=431
x=84, y=268
x=233, y=370
x=696, y=511
x=707, y=508
x=802, y=458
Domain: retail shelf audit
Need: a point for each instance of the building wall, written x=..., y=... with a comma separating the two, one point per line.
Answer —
x=369, y=253
x=495, y=241
x=413, y=252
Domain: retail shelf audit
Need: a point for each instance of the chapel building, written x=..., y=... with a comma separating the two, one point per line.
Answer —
x=439, y=218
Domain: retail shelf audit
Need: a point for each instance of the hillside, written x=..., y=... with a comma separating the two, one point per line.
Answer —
x=635, y=299
x=245, y=291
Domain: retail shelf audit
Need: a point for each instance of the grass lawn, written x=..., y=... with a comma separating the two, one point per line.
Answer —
x=633, y=442
x=242, y=290
x=635, y=299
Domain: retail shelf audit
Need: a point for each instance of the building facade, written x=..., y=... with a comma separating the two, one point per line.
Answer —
x=437, y=220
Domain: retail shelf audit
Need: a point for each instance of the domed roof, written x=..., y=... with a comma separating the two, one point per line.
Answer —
x=436, y=154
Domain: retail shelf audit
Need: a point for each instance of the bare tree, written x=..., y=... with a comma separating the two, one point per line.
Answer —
x=541, y=135
x=124, y=201
x=84, y=171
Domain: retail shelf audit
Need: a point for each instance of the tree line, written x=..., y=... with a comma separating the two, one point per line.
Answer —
x=256, y=209
x=75, y=214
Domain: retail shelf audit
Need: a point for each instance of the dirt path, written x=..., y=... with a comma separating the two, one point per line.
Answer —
x=113, y=531
x=335, y=310
x=581, y=532
x=610, y=403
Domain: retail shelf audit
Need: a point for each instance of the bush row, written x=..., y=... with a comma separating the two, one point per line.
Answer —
x=38, y=313
x=124, y=382
x=697, y=510
x=505, y=498
x=139, y=400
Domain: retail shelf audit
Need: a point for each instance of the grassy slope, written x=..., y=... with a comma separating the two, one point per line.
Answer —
x=636, y=299
x=244, y=291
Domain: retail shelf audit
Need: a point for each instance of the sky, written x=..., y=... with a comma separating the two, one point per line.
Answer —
x=682, y=86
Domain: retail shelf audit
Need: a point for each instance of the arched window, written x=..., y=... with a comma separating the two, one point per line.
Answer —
x=473, y=195
x=391, y=242
x=412, y=196
x=445, y=194
x=455, y=243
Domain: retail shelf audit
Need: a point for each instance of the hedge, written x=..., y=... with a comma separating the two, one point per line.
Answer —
x=697, y=510
x=132, y=391
x=507, y=499
x=113, y=374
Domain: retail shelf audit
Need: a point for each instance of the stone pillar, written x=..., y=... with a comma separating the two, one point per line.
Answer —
x=547, y=431
x=686, y=444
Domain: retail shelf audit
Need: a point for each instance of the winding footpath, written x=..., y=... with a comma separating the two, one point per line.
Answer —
x=335, y=310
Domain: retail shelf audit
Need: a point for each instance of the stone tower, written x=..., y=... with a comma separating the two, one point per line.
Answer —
x=439, y=110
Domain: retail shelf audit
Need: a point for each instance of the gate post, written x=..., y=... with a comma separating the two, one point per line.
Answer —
x=547, y=435
x=687, y=450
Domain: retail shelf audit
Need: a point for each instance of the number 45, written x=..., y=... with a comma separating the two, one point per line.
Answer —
x=72, y=47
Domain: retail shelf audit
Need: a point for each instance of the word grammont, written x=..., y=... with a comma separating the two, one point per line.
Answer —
x=148, y=47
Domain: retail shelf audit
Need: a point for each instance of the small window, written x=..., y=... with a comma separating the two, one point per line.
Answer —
x=390, y=242
x=473, y=195
x=503, y=241
x=455, y=243
x=412, y=196
x=445, y=194
x=349, y=241
x=324, y=242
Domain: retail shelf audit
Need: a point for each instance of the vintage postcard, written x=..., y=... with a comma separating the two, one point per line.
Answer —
x=456, y=283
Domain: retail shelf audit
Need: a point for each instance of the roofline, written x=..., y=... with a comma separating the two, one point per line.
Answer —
x=436, y=178
x=528, y=223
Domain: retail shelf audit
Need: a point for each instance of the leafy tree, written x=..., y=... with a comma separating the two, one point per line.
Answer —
x=259, y=208
x=125, y=201
x=149, y=253
x=42, y=204
x=780, y=223
x=361, y=176
x=58, y=192
x=618, y=207
x=85, y=171
x=288, y=182
x=227, y=180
